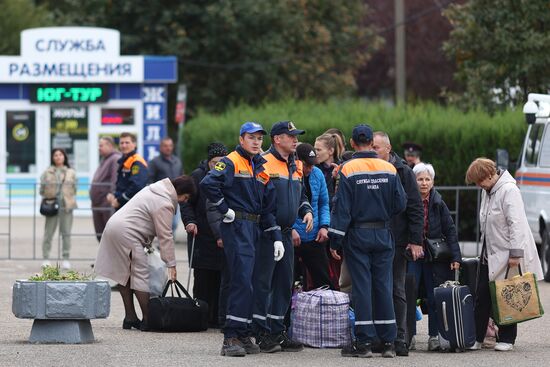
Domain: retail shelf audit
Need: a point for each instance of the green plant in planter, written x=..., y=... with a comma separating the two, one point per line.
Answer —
x=53, y=273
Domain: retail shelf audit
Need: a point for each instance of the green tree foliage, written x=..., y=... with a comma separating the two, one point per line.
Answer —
x=15, y=16
x=450, y=137
x=500, y=45
x=234, y=51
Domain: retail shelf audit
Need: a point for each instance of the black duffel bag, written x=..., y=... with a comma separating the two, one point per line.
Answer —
x=177, y=313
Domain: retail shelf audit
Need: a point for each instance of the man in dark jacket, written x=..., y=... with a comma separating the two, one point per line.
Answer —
x=273, y=280
x=132, y=172
x=166, y=164
x=241, y=190
x=104, y=182
x=369, y=195
x=208, y=259
x=407, y=229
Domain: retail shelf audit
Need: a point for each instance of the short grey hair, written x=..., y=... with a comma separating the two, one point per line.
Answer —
x=424, y=167
x=383, y=135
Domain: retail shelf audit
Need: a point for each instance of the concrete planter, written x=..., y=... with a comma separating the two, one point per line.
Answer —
x=61, y=310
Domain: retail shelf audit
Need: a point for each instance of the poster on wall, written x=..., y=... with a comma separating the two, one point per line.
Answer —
x=69, y=131
x=20, y=141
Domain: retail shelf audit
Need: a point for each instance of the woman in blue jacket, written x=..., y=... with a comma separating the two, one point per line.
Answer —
x=438, y=224
x=311, y=246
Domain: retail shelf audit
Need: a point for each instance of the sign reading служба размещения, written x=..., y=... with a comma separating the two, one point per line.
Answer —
x=71, y=55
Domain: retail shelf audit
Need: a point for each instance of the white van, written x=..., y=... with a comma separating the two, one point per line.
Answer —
x=533, y=173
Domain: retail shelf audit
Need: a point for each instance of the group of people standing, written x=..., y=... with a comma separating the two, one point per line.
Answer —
x=279, y=207
x=256, y=219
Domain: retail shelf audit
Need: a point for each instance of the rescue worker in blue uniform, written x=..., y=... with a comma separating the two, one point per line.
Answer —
x=273, y=281
x=132, y=172
x=369, y=195
x=243, y=193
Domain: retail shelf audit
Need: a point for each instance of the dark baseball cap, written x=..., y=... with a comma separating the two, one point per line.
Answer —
x=285, y=127
x=359, y=130
x=411, y=148
x=306, y=153
x=251, y=128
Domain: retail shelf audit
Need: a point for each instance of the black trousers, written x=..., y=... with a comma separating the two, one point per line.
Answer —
x=207, y=288
x=506, y=334
x=399, y=297
x=314, y=257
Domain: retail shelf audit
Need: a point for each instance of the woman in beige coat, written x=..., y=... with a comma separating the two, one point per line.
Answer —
x=507, y=242
x=59, y=182
x=121, y=256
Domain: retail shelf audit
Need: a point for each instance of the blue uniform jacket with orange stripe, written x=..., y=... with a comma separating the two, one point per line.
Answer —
x=287, y=178
x=132, y=177
x=369, y=191
x=242, y=184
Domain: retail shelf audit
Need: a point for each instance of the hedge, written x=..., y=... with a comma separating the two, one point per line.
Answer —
x=451, y=138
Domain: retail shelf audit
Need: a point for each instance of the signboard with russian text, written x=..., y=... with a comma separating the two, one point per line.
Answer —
x=71, y=93
x=154, y=119
x=69, y=131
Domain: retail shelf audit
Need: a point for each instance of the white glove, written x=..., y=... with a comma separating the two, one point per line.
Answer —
x=279, y=250
x=229, y=216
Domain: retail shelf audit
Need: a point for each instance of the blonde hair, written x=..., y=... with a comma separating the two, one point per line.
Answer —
x=480, y=169
x=335, y=142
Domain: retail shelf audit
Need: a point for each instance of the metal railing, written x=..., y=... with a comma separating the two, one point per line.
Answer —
x=20, y=223
x=17, y=210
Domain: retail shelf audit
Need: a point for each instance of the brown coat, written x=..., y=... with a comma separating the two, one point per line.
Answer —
x=64, y=187
x=148, y=214
x=104, y=180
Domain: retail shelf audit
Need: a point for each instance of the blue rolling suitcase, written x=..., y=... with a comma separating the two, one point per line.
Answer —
x=455, y=314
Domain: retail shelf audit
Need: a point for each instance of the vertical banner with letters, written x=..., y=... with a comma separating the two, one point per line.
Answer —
x=154, y=119
x=69, y=130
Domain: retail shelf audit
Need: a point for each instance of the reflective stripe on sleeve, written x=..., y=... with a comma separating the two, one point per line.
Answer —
x=218, y=202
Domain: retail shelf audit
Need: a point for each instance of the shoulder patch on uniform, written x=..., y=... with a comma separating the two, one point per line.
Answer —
x=135, y=169
x=220, y=166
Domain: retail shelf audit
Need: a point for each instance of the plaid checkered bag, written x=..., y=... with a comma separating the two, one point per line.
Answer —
x=321, y=319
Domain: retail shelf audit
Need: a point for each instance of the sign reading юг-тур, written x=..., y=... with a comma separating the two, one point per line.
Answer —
x=90, y=55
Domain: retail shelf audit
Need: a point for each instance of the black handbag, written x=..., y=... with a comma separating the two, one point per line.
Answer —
x=438, y=250
x=177, y=313
x=49, y=207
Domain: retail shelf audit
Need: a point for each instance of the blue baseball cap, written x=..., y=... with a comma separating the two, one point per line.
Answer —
x=285, y=127
x=362, y=129
x=251, y=128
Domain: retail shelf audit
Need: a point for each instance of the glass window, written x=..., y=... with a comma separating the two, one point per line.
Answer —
x=533, y=144
x=117, y=116
x=545, y=150
x=69, y=131
x=21, y=141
